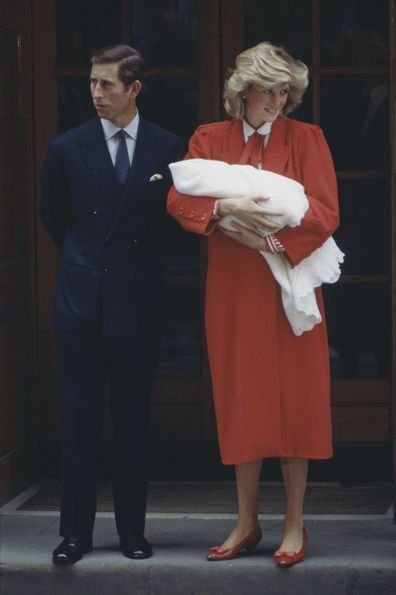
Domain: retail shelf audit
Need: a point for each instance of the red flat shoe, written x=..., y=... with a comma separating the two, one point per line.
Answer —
x=287, y=559
x=249, y=543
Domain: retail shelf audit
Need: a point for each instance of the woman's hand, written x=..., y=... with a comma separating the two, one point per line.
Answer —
x=245, y=236
x=251, y=211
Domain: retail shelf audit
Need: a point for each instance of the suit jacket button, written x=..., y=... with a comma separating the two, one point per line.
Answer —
x=135, y=241
x=107, y=269
x=95, y=212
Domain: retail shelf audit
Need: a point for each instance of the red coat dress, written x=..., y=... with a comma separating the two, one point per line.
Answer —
x=271, y=388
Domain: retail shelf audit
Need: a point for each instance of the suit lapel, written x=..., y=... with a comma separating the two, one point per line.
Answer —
x=97, y=156
x=142, y=161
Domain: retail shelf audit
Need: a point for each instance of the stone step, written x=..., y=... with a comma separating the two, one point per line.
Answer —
x=344, y=557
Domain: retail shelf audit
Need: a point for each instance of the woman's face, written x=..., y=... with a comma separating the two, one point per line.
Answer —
x=265, y=104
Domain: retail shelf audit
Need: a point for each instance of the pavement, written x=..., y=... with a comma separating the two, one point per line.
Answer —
x=346, y=555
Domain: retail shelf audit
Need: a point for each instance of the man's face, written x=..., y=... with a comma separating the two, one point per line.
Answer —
x=112, y=100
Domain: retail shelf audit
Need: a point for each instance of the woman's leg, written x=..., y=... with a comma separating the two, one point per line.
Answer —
x=247, y=478
x=294, y=471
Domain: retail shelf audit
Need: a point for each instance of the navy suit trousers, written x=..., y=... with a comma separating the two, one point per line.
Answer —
x=87, y=362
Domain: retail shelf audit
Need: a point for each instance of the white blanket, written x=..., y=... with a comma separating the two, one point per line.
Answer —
x=205, y=177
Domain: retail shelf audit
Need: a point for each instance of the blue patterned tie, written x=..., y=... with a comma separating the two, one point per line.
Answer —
x=122, y=159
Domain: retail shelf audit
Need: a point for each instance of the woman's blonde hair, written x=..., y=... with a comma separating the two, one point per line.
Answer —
x=264, y=65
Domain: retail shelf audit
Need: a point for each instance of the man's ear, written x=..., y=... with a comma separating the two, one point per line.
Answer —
x=136, y=88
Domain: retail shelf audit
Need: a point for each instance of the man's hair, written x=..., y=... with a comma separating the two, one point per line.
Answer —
x=131, y=66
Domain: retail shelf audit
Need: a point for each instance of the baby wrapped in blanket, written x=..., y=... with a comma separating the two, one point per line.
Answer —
x=286, y=197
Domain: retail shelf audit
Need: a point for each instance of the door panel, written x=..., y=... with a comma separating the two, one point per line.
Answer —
x=346, y=45
x=17, y=345
x=173, y=36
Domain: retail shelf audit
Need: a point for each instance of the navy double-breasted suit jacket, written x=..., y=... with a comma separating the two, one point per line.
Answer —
x=110, y=237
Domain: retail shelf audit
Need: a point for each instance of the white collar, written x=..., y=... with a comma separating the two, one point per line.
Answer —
x=249, y=130
x=131, y=129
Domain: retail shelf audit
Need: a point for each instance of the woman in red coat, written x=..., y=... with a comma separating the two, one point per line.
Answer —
x=271, y=387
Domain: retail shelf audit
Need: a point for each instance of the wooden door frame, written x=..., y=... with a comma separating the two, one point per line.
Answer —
x=17, y=287
x=392, y=107
x=45, y=128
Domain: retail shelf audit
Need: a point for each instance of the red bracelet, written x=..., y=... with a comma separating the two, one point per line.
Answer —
x=274, y=244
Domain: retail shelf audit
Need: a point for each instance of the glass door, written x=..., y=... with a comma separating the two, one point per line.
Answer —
x=347, y=48
x=175, y=38
x=188, y=45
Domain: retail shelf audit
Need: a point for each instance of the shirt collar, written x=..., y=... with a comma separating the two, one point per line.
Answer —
x=249, y=130
x=131, y=129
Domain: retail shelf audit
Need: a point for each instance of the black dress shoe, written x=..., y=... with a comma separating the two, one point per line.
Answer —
x=71, y=550
x=137, y=549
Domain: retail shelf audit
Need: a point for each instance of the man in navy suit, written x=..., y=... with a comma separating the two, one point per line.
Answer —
x=104, y=187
